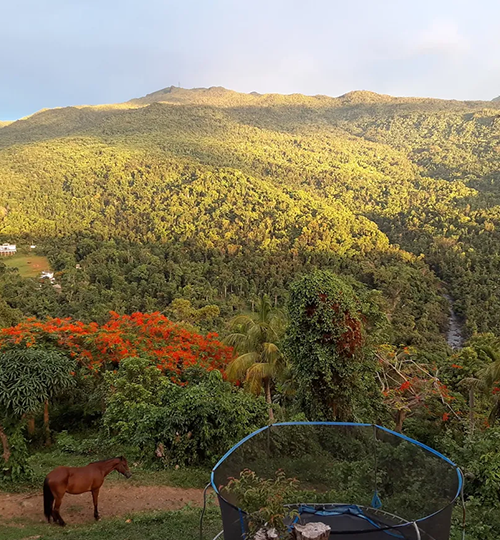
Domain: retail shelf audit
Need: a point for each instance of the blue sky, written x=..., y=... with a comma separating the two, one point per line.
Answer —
x=69, y=52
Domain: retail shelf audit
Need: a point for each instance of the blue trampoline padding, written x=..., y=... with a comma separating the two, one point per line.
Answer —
x=347, y=509
x=376, y=502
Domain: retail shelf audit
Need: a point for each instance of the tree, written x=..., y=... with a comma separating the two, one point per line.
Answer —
x=173, y=348
x=410, y=385
x=256, y=339
x=183, y=312
x=28, y=379
x=324, y=342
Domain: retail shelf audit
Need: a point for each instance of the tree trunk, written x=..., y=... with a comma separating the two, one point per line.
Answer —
x=266, y=534
x=5, y=445
x=471, y=409
x=311, y=531
x=269, y=399
x=46, y=426
x=400, y=418
x=31, y=425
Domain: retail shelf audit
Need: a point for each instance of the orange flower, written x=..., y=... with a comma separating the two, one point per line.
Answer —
x=405, y=386
x=151, y=335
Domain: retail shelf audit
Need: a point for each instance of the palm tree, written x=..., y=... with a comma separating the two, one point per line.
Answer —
x=491, y=357
x=256, y=338
x=473, y=384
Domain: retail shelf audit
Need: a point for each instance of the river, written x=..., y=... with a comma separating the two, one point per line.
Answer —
x=455, y=334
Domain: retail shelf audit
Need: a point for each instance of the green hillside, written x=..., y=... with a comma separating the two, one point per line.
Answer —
x=217, y=196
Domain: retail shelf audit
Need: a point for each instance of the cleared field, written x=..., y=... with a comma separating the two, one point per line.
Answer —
x=28, y=265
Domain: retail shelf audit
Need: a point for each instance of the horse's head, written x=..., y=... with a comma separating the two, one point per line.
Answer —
x=122, y=467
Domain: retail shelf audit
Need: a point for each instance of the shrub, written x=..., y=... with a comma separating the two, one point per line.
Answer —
x=264, y=499
x=173, y=424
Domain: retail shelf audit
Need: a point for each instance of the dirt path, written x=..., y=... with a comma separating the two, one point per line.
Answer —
x=113, y=501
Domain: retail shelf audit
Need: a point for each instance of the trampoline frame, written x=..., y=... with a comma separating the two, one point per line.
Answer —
x=404, y=523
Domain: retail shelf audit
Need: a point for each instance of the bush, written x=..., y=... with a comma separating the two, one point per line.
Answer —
x=181, y=425
x=88, y=446
x=17, y=468
x=479, y=459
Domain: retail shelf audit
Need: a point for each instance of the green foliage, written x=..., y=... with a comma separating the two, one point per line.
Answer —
x=87, y=446
x=182, y=311
x=478, y=457
x=17, y=468
x=173, y=424
x=263, y=499
x=29, y=377
x=325, y=343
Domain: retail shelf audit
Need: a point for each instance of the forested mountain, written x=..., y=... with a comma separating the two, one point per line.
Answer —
x=217, y=197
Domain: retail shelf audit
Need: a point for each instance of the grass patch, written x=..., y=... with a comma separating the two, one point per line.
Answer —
x=29, y=266
x=178, y=525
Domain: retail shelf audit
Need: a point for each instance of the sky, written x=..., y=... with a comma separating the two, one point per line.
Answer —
x=56, y=53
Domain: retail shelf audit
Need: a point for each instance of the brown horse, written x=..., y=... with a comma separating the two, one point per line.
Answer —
x=76, y=480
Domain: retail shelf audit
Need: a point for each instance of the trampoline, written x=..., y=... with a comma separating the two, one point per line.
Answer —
x=364, y=481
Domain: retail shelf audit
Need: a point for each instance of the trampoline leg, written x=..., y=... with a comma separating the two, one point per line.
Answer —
x=417, y=530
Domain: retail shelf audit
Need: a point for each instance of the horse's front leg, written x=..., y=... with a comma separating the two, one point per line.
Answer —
x=95, y=498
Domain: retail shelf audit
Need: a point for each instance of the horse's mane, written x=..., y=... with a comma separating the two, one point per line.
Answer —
x=109, y=459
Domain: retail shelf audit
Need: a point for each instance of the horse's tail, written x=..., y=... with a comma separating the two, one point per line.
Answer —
x=48, y=499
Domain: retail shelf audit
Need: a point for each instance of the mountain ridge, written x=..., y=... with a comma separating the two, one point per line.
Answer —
x=220, y=96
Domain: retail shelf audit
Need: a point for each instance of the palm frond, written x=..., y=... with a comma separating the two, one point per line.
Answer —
x=260, y=371
x=238, y=368
x=491, y=374
x=236, y=340
x=241, y=321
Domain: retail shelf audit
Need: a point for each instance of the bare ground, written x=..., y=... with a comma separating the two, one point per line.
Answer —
x=113, y=501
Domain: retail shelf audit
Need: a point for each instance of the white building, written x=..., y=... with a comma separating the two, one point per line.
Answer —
x=8, y=249
x=47, y=275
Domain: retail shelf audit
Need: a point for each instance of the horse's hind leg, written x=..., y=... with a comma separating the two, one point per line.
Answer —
x=95, y=498
x=55, y=513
